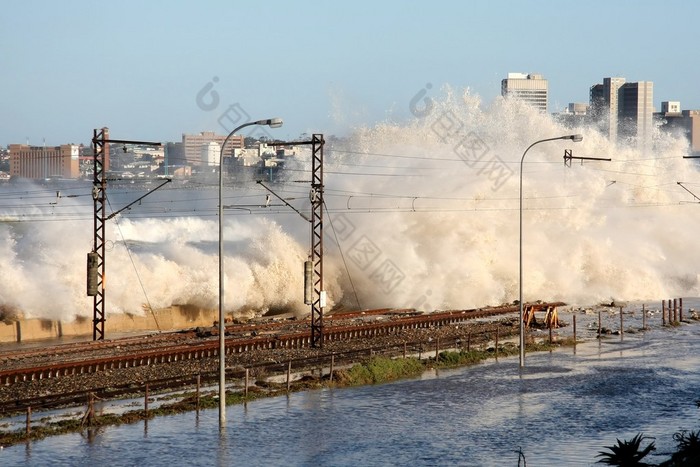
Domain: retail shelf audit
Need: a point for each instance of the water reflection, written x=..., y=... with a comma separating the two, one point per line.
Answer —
x=222, y=455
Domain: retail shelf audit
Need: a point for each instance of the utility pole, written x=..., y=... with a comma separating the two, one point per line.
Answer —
x=316, y=194
x=96, y=258
x=317, y=299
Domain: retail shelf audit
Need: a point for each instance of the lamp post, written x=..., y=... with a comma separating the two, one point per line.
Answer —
x=272, y=123
x=576, y=139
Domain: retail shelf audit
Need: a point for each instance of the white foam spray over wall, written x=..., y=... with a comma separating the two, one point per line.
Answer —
x=424, y=216
x=592, y=232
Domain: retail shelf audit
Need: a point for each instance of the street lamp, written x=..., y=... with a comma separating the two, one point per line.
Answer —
x=272, y=123
x=576, y=139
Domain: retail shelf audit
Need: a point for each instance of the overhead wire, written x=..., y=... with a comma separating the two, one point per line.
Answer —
x=342, y=256
x=133, y=264
x=158, y=205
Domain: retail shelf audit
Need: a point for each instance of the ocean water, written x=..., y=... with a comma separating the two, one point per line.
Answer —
x=562, y=409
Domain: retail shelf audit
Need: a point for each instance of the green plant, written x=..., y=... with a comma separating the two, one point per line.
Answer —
x=687, y=449
x=463, y=357
x=380, y=369
x=627, y=453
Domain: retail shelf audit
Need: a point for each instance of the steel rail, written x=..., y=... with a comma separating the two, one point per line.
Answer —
x=239, y=345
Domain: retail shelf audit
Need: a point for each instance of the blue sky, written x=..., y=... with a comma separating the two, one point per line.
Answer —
x=324, y=67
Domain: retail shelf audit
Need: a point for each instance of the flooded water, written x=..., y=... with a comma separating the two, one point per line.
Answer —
x=560, y=410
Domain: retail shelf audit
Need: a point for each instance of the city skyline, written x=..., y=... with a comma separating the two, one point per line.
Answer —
x=150, y=72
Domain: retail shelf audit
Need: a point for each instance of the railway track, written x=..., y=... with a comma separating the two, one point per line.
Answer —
x=92, y=357
x=208, y=378
x=77, y=350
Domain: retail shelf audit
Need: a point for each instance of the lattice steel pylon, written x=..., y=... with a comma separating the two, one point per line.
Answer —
x=96, y=258
x=316, y=197
x=318, y=295
x=101, y=152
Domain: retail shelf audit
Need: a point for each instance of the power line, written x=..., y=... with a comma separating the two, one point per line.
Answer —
x=342, y=256
x=133, y=264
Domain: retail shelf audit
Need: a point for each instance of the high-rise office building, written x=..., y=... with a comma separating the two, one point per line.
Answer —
x=41, y=162
x=636, y=110
x=531, y=88
x=623, y=110
x=604, y=104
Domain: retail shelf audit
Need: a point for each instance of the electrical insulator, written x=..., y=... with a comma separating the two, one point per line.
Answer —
x=308, y=282
x=92, y=261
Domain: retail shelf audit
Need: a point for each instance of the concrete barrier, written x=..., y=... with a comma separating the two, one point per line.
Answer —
x=166, y=319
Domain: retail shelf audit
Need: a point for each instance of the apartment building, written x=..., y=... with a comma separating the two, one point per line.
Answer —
x=195, y=146
x=41, y=162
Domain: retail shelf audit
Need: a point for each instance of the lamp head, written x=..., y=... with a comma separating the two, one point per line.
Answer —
x=575, y=138
x=271, y=122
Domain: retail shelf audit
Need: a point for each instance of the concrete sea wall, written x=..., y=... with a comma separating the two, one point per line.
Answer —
x=167, y=319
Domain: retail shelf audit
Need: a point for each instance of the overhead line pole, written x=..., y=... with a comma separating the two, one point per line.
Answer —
x=316, y=194
x=96, y=267
x=318, y=299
